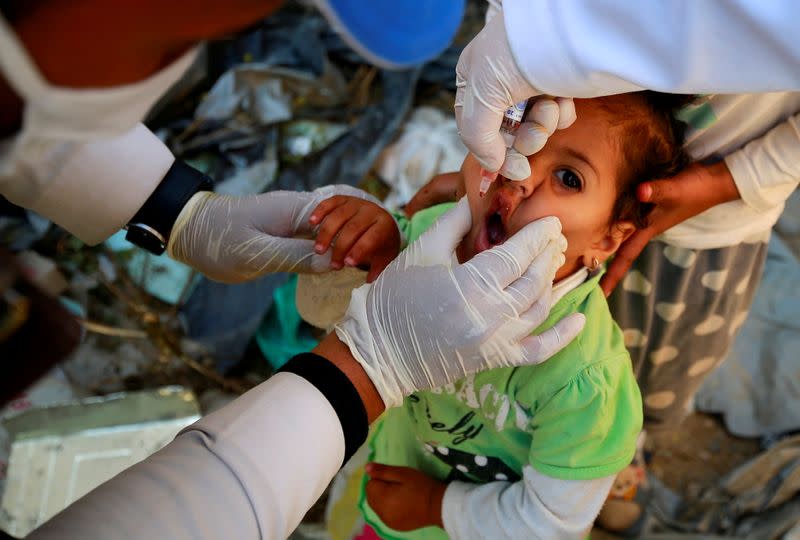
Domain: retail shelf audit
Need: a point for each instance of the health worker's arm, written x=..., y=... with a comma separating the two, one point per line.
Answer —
x=537, y=507
x=586, y=48
x=767, y=170
x=250, y=470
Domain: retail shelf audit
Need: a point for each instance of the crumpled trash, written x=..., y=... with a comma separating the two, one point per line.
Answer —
x=253, y=177
x=43, y=272
x=348, y=159
x=304, y=137
x=428, y=145
x=759, y=500
x=262, y=94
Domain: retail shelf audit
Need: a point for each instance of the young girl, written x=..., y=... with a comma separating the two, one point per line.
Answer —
x=525, y=452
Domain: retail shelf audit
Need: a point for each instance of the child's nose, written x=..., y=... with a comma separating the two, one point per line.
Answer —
x=513, y=192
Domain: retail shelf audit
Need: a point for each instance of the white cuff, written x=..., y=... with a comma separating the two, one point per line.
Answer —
x=98, y=186
x=746, y=180
x=538, y=39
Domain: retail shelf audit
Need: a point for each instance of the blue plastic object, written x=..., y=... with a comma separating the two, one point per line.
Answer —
x=395, y=33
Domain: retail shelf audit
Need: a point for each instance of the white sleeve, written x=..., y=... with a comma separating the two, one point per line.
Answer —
x=537, y=507
x=586, y=48
x=767, y=169
x=250, y=470
x=82, y=159
x=92, y=189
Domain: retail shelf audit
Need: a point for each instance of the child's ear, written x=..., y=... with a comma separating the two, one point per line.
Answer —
x=617, y=233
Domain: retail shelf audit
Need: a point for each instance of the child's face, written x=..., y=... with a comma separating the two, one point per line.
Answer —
x=574, y=177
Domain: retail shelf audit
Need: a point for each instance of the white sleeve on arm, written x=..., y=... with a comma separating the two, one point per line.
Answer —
x=538, y=507
x=586, y=48
x=767, y=170
x=92, y=189
x=250, y=470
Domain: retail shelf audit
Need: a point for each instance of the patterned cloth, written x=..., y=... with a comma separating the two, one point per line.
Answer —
x=679, y=310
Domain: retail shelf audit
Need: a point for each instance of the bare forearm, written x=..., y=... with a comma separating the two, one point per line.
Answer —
x=338, y=354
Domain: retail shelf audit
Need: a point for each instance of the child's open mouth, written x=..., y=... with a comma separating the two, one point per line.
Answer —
x=493, y=232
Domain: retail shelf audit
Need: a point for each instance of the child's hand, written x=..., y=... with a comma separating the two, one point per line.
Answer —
x=404, y=498
x=365, y=234
x=442, y=188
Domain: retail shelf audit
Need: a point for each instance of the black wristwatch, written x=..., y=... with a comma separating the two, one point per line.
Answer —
x=151, y=226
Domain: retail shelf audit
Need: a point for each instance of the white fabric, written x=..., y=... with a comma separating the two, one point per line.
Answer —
x=90, y=188
x=428, y=320
x=759, y=137
x=537, y=507
x=567, y=284
x=587, y=48
x=250, y=470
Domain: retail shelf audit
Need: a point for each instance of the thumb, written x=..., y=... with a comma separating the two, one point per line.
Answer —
x=437, y=244
x=659, y=191
x=479, y=129
x=539, y=348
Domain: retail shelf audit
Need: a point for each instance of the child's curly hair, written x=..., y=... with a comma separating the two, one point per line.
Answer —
x=651, y=142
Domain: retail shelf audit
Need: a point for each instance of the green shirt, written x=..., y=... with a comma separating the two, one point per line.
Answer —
x=575, y=416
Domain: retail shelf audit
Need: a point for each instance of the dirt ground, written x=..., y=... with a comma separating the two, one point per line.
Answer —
x=694, y=457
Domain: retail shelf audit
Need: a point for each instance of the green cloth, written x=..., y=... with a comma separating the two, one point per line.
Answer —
x=282, y=334
x=412, y=228
x=575, y=416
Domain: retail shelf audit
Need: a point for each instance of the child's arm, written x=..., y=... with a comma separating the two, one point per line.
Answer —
x=537, y=506
x=362, y=234
x=442, y=188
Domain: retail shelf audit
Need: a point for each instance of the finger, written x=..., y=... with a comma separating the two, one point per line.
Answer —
x=479, y=129
x=626, y=254
x=537, y=349
x=566, y=112
x=438, y=243
x=505, y=263
x=540, y=274
x=332, y=224
x=531, y=138
x=349, y=234
x=545, y=112
x=515, y=166
x=378, y=237
x=326, y=207
x=658, y=191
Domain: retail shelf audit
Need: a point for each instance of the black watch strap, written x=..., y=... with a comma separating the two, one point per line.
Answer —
x=340, y=393
x=151, y=226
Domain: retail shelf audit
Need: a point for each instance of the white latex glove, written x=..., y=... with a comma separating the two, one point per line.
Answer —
x=488, y=81
x=234, y=239
x=428, y=320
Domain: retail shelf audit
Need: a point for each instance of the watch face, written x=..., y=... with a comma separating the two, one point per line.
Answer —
x=141, y=235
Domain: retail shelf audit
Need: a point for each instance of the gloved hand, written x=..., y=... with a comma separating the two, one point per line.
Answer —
x=428, y=320
x=234, y=239
x=488, y=81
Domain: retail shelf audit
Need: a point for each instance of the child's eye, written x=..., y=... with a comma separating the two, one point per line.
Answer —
x=569, y=179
